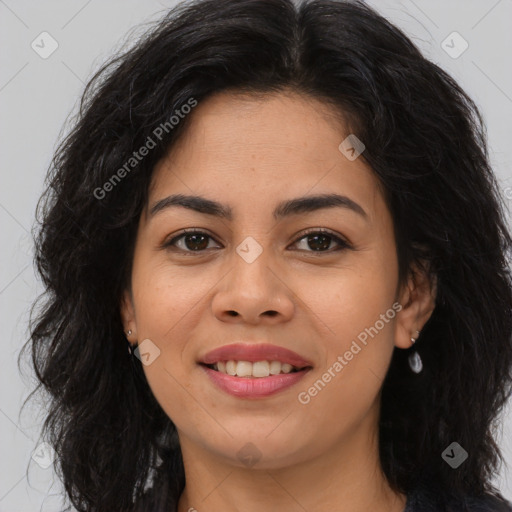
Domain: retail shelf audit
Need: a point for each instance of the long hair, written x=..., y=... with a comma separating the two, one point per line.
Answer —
x=425, y=141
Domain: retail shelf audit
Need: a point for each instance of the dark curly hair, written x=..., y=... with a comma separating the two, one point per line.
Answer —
x=425, y=140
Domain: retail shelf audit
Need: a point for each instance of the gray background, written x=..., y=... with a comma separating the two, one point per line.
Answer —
x=37, y=96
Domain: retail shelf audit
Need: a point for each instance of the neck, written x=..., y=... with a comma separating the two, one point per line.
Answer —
x=346, y=477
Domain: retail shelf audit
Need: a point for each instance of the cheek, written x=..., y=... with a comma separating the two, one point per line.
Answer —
x=358, y=351
x=168, y=304
x=166, y=299
x=355, y=318
x=347, y=300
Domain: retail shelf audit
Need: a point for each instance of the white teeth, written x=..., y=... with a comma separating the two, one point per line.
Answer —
x=275, y=368
x=261, y=369
x=244, y=369
x=256, y=369
x=286, y=368
x=231, y=367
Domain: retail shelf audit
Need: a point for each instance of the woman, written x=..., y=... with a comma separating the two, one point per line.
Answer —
x=287, y=216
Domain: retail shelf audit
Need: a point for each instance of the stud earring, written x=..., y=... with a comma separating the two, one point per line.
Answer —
x=413, y=340
x=129, y=332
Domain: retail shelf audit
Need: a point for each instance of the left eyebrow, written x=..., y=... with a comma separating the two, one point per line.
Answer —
x=305, y=204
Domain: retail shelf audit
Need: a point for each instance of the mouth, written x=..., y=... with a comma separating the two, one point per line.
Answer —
x=254, y=371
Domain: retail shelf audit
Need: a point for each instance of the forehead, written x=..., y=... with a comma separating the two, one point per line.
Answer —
x=239, y=147
x=279, y=124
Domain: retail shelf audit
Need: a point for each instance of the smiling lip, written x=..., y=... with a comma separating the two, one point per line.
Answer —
x=254, y=353
x=254, y=387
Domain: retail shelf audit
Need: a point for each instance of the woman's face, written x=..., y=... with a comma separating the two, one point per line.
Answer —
x=255, y=277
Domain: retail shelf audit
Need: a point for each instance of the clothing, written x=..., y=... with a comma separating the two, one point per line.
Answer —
x=421, y=500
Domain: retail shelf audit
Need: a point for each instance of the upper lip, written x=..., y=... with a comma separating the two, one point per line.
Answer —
x=253, y=353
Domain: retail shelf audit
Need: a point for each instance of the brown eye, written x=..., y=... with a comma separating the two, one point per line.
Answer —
x=320, y=241
x=191, y=241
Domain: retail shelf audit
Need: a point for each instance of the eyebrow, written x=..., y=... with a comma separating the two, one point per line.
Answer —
x=305, y=204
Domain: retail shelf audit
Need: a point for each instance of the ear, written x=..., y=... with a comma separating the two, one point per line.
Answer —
x=127, y=311
x=418, y=301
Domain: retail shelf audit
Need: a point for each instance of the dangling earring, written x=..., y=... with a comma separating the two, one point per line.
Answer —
x=415, y=362
x=131, y=348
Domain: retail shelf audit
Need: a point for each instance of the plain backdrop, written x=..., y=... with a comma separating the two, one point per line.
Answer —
x=36, y=97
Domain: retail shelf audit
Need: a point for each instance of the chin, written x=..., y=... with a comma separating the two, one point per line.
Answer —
x=261, y=447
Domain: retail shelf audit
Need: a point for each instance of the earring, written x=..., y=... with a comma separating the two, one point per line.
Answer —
x=415, y=362
x=131, y=348
x=413, y=340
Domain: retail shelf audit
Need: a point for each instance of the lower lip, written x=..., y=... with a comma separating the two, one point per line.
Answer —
x=253, y=387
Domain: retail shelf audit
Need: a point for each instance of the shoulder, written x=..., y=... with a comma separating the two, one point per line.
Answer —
x=423, y=500
x=488, y=503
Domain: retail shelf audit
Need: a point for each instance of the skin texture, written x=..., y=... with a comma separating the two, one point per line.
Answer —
x=250, y=153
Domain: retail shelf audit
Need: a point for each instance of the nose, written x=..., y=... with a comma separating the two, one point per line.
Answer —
x=253, y=293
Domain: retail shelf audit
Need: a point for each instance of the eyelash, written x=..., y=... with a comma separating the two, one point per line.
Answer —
x=321, y=231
